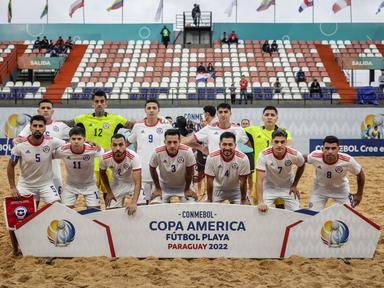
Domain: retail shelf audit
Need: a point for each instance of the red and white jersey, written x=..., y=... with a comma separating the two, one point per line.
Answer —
x=79, y=166
x=278, y=171
x=147, y=138
x=172, y=169
x=334, y=175
x=211, y=135
x=54, y=129
x=227, y=173
x=122, y=172
x=35, y=160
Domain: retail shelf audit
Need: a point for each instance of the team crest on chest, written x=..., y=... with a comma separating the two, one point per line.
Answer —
x=288, y=163
x=159, y=130
x=126, y=166
x=235, y=165
x=180, y=159
x=339, y=169
x=55, y=128
x=86, y=157
x=106, y=125
x=46, y=149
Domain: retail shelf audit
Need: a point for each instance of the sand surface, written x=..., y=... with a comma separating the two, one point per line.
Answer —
x=152, y=272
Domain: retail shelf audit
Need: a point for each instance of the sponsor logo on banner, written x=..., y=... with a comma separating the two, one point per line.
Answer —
x=61, y=233
x=20, y=212
x=354, y=147
x=334, y=233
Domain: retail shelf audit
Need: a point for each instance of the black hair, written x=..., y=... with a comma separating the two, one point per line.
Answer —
x=44, y=101
x=117, y=136
x=331, y=139
x=152, y=101
x=279, y=133
x=181, y=125
x=224, y=106
x=38, y=118
x=270, y=107
x=99, y=93
x=228, y=135
x=77, y=130
x=172, y=132
x=211, y=110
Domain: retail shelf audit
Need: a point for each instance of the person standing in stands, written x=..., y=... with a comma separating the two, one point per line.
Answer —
x=225, y=39
x=165, y=36
x=196, y=13
x=243, y=89
x=232, y=91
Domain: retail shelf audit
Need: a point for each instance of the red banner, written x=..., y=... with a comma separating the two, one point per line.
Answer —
x=17, y=209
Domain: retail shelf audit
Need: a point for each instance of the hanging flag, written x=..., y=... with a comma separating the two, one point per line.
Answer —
x=74, y=6
x=380, y=7
x=305, y=4
x=10, y=11
x=230, y=8
x=116, y=5
x=159, y=11
x=340, y=4
x=265, y=4
x=45, y=11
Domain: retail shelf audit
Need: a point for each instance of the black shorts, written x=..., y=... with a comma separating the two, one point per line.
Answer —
x=251, y=157
x=200, y=161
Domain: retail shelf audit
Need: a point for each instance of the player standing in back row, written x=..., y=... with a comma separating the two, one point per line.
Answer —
x=147, y=135
x=331, y=180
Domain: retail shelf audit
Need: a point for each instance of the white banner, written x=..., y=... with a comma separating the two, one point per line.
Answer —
x=198, y=230
x=303, y=123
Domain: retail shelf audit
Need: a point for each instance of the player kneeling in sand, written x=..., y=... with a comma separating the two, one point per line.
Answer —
x=331, y=180
x=78, y=158
x=126, y=174
x=274, y=174
x=176, y=166
x=227, y=170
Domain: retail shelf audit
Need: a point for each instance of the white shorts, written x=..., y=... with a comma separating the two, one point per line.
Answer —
x=47, y=193
x=233, y=196
x=270, y=195
x=120, y=191
x=320, y=196
x=169, y=192
x=90, y=193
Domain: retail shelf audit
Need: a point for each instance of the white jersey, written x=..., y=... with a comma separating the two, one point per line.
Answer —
x=80, y=167
x=122, y=172
x=227, y=173
x=278, y=172
x=211, y=135
x=54, y=129
x=147, y=138
x=172, y=169
x=35, y=160
x=334, y=175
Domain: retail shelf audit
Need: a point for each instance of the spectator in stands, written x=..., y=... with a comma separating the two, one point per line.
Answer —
x=50, y=46
x=232, y=91
x=44, y=43
x=69, y=43
x=233, y=38
x=315, y=87
x=170, y=120
x=266, y=48
x=274, y=46
x=165, y=33
x=277, y=86
x=300, y=76
x=37, y=44
x=211, y=70
x=225, y=39
x=243, y=89
x=201, y=68
x=196, y=13
x=60, y=42
x=381, y=80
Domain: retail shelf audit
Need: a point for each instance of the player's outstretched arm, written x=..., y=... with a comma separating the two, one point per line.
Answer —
x=210, y=187
x=69, y=123
x=155, y=178
x=243, y=189
x=294, y=190
x=259, y=184
x=11, y=178
x=131, y=207
x=104, y=178
x=360, y=189
x=188, y=180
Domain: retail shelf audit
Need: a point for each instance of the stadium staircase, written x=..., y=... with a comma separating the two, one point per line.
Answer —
x=338, y=80
x=8, y=59
x=64, y=77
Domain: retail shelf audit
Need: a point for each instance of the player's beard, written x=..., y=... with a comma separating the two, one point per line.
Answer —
x=37, y=135
x=228, y=153
x=118, y=154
